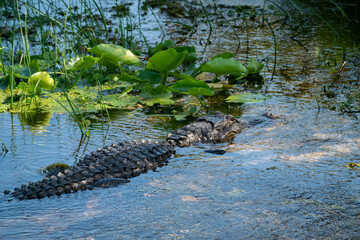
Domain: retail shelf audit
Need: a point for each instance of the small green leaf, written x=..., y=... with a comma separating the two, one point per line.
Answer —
x=120, y=100
x=222, y=66
x=42, y=80
x=166, y=60
x=224, y=55
x=190, y=56
x=243, y=98
x=163, y=46
x=113, y=54
x=160, y=95
x=254, y=66
x=182, y=116
x=25, y=72
x=132, y=79
x=192, y=87
x=151, y=75
x=82, y=63
x=181, y=76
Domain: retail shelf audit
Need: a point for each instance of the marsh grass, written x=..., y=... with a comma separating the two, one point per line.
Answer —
x=57, y=39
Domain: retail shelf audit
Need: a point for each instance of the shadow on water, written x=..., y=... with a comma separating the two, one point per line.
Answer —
x=284, y=179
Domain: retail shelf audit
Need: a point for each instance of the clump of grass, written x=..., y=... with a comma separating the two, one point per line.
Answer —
x=54, y=168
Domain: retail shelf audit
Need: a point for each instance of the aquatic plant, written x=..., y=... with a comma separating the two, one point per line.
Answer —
x=54, y=168
x=3, y=147
x=73, y=54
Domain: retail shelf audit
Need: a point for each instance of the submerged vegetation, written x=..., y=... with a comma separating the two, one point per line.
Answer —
x=58, y=57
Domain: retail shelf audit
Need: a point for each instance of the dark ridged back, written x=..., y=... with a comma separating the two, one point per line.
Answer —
x=123, y=160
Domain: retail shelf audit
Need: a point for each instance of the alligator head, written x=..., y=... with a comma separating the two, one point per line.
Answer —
x=208, y=129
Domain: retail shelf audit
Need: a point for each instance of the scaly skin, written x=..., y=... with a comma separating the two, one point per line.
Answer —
x=114, y=164
x=124, y=160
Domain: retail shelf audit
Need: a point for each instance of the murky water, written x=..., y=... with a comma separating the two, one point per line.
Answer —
x=283, y=179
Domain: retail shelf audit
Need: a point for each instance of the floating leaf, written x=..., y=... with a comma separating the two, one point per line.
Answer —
x=163, y=46
x=192, y=87
x=185, y=114
x=151, y=75
x=160, y=95
x=254, y=66
x=224, y=55
x=243, y=98
x=82, y=63
x=167, y=60
x=181, y=76
x=132, y=79
x=190, y=53
x=120, y=100
x=113, y=54
x=222, y=66
x=42, y=80
x=26, y=72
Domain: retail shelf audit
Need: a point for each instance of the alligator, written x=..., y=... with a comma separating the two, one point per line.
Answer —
x=116, y=163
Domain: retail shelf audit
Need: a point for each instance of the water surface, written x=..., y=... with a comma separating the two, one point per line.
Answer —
x=283, y=179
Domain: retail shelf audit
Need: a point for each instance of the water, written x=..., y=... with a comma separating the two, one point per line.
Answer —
x=284, y=179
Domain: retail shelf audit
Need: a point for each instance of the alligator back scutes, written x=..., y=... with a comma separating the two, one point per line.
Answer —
x=123, y=160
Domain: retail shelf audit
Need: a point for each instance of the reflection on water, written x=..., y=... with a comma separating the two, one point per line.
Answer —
x=35, y=120
x=282, y=179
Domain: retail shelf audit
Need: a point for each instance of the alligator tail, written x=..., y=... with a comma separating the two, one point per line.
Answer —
x=124, y=160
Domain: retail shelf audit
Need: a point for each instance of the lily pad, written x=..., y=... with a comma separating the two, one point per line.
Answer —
x=192, y=87
x=159, y=95
x=190, y=53
x=244, y=98
x=254, y=66
x=26, y=72
x=165, y=61
x=185, y=114
x=132, y=79
x=224, y=55
x=151, y=75
x=82, y=63
x=163, y=46
x=223, y=66
x=120, y=100
x=113, y=54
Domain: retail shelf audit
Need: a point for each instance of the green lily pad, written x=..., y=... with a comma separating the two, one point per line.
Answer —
x=254, y=66
x=82, y=63
x=42, y=80
x=192, y=87
x=223, y=66
x=132, y=79
x=113, y=54
x=26, y=72
x=185, y=114
x=163, y=46
x=159, y=95
x=165, y=61
x=224, y=55
x=190, y=55
x=182, y=76
x=120, y=100
x=151, y=75
x=244, y=98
